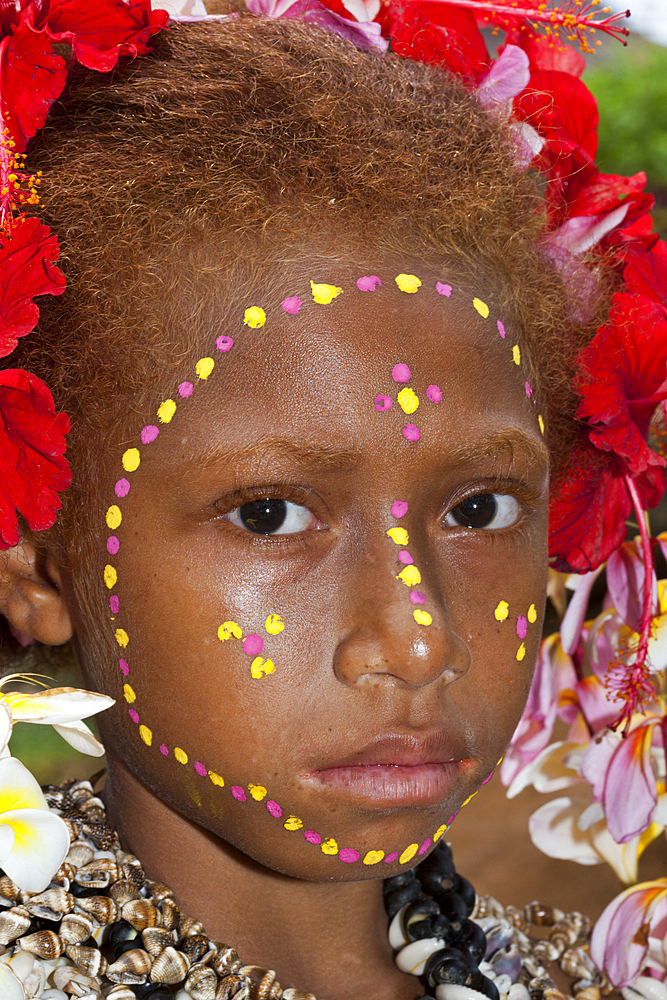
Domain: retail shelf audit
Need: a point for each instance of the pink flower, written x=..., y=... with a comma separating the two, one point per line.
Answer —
x=365, y=34
x=627, y=929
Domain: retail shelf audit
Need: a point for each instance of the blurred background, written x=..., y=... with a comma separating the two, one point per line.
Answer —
x=490, y=837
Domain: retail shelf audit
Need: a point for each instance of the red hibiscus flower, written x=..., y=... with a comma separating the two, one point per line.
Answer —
x=440, y=35
x=646, y=273
x=622, y=378
x=26, y=270
x=32, y=443
x=589, y=505
x=102, y=31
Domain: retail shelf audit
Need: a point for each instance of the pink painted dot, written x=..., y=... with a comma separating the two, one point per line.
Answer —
x=417, y=598
x=133, y=715
x=425, y=846
x=522, y=627
x=382, y=403
x=434, y=393
x=443, y=289
x=224, y=343
x=399, y=508
x=122, y=488
x=411, y=432
x=124, y=666
x=114, y=604
x=112, y=545
x=164, y=749
x=391, y=858
x=405, y=558
x=501, y=328
x=488, y=777
x=253, y=644
x=238, y=793
x=529, y=389
x=185, y=389
x=291, y=304
x=200, y=769
x=274, y=809
x=348, y=855
x=312, y=837
x=400, y=373
x=149, y=433
x=369, y=283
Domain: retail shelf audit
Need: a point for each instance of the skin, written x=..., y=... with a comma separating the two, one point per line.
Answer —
x=351, y=663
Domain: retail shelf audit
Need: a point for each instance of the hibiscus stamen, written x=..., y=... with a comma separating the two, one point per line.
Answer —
x=574, y=20
x=634, y=683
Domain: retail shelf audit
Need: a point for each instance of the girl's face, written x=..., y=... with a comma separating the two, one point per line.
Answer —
x=326, y=575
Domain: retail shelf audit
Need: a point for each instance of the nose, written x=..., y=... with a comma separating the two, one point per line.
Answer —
x=385, y=644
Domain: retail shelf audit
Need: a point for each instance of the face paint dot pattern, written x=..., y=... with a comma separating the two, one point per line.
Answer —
x=255, y=317
x=501, y=614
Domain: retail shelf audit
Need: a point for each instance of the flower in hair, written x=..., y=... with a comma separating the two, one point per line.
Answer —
x=26, y=270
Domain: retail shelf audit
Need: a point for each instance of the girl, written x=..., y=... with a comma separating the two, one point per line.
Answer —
x=317, y=357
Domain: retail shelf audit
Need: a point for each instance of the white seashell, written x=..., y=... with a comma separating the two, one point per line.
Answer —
x=397, y=935
x=414, y=956
x=53, y=994
x=645, y=988
x=36, y=981
x=451, y=991
x=80, y=854
x=503, y=983
x=70, y=979
x=105, y=854
x=518, y=992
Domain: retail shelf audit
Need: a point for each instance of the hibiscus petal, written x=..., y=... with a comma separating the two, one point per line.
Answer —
x=41, y=841
x=582, y=232
x=101, y=32
x=625, y=580
x=56, y=706
x=79, y=736
x=440, y=35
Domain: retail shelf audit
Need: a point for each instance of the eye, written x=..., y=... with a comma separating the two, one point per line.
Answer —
x=485, y=510
x=270, y=516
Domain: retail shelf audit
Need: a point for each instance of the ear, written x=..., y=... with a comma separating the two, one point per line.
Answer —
x=31, y=596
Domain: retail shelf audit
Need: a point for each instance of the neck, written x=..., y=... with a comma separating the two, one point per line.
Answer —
x=329, y=939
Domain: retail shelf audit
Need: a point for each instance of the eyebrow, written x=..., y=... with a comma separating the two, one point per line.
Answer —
x=514, y=443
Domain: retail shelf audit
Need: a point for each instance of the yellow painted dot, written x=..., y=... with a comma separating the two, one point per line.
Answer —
x=481, y=308
x=540, y=422
x=439, y=832
x=408, y=283
x=180, y=755
x=166, y=411
x=274, y=624
x=532, y=614
x=329, y=846
x=261, y=667
x=229, y=629
x=502, y=611
x=422, y=617
x=129, y=694
x=516, y=354
x=373, y=857
x=408, y=400
x=408, y=854
x=398, y=535
x=465, y=803
x=293, y=823
x=410, y=576
x=131, y=459
x=204, y=367
x=521, y=651
x=146, y=735
x=324, y=294
x=258, y=792
x=216, y=779
x=110, y=576
x=114, y=517
x=122, y=638
x=254, y=317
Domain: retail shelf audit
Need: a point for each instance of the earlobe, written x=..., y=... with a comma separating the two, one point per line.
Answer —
x=31, y=597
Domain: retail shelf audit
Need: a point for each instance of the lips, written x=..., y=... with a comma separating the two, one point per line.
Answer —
x=398, y=769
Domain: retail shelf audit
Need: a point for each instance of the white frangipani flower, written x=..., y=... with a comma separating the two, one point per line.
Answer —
x=33, y=840
x=63, y=708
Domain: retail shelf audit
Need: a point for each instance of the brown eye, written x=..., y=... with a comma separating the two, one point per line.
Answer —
x=272, y=516
x=485, y=510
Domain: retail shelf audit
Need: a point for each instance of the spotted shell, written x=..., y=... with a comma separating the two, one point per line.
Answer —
x=261, y=981
x=231, y=986
x=159, y=891
x=169, y=913
x=202, y=983
x=9, y=891
x=77, y=927
x=90, y=960
x=578, y=964
x=123, y=891
x=80, y=854
x=99, y=874
x=588, y=993
x=131, y=969
x=65, y=875
x=226, y=960
x=156, y=939
x=195, y=947
x=189, y=926
x=291, y=994
x=140, y=914
x=121, y=993
x=101, y=908
x=170, y=966
x=51, y=905
x=13, y=923
x=44, y=944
